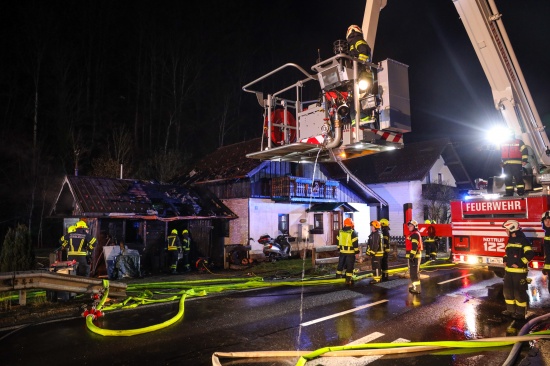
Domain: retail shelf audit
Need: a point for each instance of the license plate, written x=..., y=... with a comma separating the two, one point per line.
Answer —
x=494, y=260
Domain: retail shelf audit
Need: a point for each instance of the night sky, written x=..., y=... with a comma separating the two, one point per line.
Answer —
x=169, y=71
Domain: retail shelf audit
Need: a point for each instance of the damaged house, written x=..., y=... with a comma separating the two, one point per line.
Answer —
x=140, y=214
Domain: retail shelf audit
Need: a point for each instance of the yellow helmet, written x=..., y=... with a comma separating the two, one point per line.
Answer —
x=71, y=229
x=384, y=222
x=81, y=225
x=185, y=232
x=375, y=224
x=174, y=231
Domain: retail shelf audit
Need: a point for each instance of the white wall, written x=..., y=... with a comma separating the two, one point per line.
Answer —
x=440, y=168
x=397, y=194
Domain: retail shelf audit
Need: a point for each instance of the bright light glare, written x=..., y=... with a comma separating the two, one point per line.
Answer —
x=363, y=84
x=472, y=259
x=497, y=135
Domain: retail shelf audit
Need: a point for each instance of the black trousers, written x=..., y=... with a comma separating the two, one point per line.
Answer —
x=376, y=268
x=384, y=265
x=346, y=262
x=515, y=292
x=414, y=270
x=513, y=172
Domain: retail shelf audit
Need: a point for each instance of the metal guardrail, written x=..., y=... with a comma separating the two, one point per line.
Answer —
x=22, y=281
x=328, y=248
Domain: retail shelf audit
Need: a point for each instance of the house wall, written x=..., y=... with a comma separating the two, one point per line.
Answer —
x=397, y=194
x=238, y=228
x=263, y=219
x=440, y=168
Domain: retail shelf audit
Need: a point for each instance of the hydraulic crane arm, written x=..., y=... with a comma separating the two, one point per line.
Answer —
x=511, y=95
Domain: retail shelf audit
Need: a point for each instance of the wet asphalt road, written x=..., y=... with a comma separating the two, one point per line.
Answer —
x=454, y=305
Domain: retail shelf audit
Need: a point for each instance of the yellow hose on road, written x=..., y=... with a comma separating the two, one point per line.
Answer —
x=371, y=349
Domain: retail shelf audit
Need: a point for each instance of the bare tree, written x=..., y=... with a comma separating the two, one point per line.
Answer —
x=437, y=201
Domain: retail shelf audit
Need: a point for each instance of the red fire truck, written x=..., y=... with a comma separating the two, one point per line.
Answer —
x=477, y=237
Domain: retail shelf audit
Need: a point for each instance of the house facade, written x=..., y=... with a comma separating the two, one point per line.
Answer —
x=297, y=199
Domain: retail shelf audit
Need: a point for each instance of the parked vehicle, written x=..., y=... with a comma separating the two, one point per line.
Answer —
x=275, y=249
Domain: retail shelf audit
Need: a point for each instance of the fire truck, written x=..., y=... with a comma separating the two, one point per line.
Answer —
x=477, y=236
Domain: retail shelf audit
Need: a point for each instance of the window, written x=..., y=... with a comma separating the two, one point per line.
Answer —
x=283, y=223
x=317, y=224
x=335, y=221
x=439, y=178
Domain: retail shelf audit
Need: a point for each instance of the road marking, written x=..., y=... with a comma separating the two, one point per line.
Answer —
x=455, y=279
x=354, y=361
x=342, y=313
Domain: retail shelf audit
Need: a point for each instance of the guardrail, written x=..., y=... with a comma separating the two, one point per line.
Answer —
x=22, y=281
x=315, y=261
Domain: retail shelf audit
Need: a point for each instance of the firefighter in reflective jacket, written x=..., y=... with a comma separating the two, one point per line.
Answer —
x=80, y=245
x=375, y=248
x=385, y=224
x=514, y=157
x=413, y=247
x=431, y=242
x=174, y=249
x=516, y=258
x=357, y=46
x=349, y=249
x=186, y=248
x=546, y=246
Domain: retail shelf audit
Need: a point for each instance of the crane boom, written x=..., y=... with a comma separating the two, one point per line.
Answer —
x=511, y=95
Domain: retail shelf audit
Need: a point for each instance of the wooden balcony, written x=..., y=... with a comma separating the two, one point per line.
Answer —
x=299, y=189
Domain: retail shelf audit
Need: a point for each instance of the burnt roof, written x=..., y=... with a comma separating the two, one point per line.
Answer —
x=96, y=197
x=227, y=162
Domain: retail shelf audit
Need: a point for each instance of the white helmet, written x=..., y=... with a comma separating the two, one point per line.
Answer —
x=511, y=225
x=353, y=28
x=413, y=223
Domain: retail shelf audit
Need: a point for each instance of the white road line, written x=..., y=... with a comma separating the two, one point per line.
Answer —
x=342, y=313
x=454, y=279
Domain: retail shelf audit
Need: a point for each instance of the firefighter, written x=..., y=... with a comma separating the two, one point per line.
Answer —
x=63, y=241
x=431, y=242
x=186, y=248
x=546, y=227
x=375, y=249
x=357, y=46
x=385, y=224
x=174, y=249
x=349, y=249
x=516, y=258
x=413, y=247
x=514, y=157
x=80, y=245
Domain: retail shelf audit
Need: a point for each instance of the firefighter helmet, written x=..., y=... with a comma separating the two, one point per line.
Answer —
x=185, y=232
x=427, y=222
x=71, y=229
x=413, y=223
x=174, y=231
x=384, y=222
x=81, y=225
x=348, y=222
x=375, y=224
x=511, y=225
x=353, y=28
x=545, y=216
